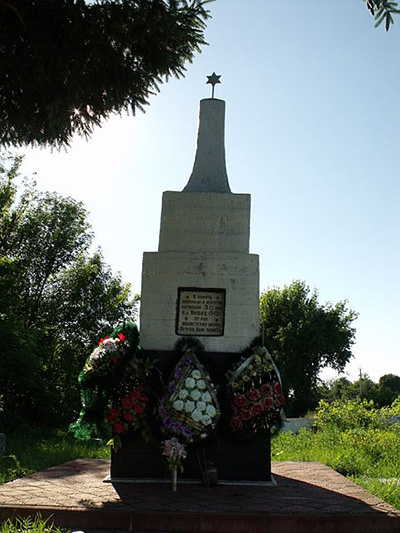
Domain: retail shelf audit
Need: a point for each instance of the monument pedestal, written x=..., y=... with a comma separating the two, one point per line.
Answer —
x=235, y=459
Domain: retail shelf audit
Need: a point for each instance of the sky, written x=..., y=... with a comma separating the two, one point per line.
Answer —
x=312, y=133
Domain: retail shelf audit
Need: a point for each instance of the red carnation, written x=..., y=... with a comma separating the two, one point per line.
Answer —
x=278, y=388
x=121, y=337
x=280, y=399
x=138, y=408
x=127, y=403
x=240, y=401
x=246, y=414
x=268, y=403
x=114, y=411
x=128, y=416
x=135, y=393
x=236, y=423
x=257, y=409
x=266, y=390
x=253, y=395
x=119, y=428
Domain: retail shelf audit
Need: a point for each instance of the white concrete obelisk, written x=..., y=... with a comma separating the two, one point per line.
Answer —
x=209, y=169
x=202, y=282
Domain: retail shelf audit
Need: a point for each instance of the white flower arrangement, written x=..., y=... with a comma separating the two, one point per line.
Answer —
x=199, y=402
x=189, y=409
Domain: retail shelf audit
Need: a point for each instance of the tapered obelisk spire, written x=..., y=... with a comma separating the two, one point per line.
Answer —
x=209, y=169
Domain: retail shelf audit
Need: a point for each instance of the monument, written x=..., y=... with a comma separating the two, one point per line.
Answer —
x=202, y=285
x=202, y=281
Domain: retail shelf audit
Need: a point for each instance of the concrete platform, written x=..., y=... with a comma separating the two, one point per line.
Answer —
x=309, y=497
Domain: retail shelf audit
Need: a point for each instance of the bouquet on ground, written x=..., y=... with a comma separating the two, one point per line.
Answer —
x=256, y=393
x=175, y=452
x=189, y=409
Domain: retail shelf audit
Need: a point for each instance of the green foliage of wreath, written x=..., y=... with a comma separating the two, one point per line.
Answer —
x=104, y=369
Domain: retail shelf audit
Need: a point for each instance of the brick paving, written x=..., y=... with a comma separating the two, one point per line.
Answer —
x=309, y=497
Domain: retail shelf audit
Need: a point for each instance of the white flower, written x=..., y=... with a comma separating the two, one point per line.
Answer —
x=206, y=397
x=189, y=406
x=178, y=405
x=197, y=415
x=183, y=394
x=195, y=394
x=96, y=354
x=190, y=383
x=210, y=410
x=201, y=384
x=201, y=406
x=196, y=374
x=206, y=420
x=109, y=345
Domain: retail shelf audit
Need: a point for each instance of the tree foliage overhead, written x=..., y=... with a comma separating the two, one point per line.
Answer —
x=304, y=337
x=66, y=64
x=383, y=10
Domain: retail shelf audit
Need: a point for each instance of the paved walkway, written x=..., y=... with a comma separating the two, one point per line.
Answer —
x=309, y=497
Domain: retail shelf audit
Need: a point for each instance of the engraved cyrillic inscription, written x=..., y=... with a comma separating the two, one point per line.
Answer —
x=201, y=312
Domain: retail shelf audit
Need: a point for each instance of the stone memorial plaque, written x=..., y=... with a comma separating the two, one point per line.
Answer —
x=201, y=312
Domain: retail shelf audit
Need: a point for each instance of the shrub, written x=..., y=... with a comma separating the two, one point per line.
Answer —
x=352, y=414
x=355, y=439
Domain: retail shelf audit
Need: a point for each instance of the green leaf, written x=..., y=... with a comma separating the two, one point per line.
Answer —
x=379, y=22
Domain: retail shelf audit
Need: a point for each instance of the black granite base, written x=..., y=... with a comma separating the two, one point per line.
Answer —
x=235, y=459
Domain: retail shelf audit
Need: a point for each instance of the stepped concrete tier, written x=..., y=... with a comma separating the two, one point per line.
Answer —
x=202, y=282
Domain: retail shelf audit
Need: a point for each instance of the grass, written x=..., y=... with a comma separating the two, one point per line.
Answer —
x=368, y=456
x=37, y=449
x=29, y=525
